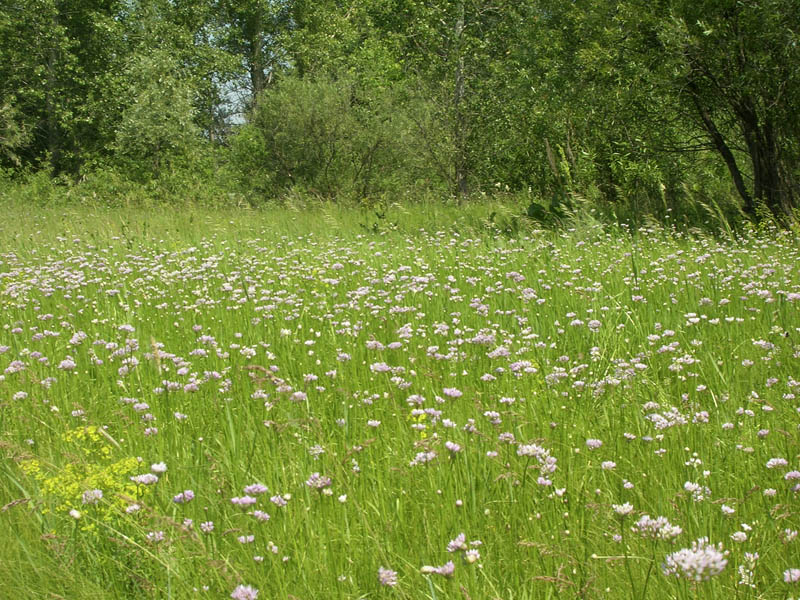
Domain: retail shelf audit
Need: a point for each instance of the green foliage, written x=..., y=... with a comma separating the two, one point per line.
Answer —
x=12, y=135
x=157, y=129
x=634, y=108
x=331, y=138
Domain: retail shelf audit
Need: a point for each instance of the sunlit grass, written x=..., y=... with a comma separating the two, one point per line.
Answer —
x=440, y=373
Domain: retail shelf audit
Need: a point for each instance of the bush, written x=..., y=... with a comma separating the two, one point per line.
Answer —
x=333, y=139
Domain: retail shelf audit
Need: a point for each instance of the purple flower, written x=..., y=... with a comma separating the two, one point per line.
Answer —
x=699, y=563
x=207, y=526
x=278, y=500
x=453, y=392
x=68, y=364
x=623, y=510
x=791, y=575
x=244, y=592
x=260, y=515
x=184, y=497
x=155, y=536
x=91, y=496
x=244, y=501
x=452, y=447
x=145, y=479
x=472, y=555
x=255, y=488
x=318, y=482
x=387, y=577
x=593, y=444
x=656, y=528
x=459, y=543
x=531, y=450
x=15, y=367
x=421, y=458
x=446, y=570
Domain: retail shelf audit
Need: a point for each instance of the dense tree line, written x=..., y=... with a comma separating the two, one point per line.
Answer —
x=651, y=105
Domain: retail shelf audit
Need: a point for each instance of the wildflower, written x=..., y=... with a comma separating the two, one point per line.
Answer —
x=68, y=364
x=184, y=497
x=531, y=450
x=701, y=562
x=244, y=592
x=255, y=488
x=452, y=447
x=459, y=543
x=207, y=526
x=453, y=392
x=244, y=500
x=145, y=479
x=318, y=482
x=698, y=492
x=92, y=496
x=446, y=570
x=791, y=575
x=75, y=514
x=155, y=536
x=623, y=510
x=659, y=528
x=387, y=577
x=746, y=574
x=472, y=555
x=158, y=467
x=593, y=444
x=260, y=515
x=278, y=500
x=246, y=539
x=421, y=458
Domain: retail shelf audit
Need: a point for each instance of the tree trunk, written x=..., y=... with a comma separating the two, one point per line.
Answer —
x=724, y=150
x=461, y=188
x=258, y=68
x=771, y=184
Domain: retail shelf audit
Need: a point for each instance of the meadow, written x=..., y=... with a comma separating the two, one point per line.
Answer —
x=440, y=403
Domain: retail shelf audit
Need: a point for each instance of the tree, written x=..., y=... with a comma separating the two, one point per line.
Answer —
x=12, y=134
x=253, y=31
x=157, y=128
x=730, y=69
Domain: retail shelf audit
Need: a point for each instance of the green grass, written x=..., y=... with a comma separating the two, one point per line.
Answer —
x=701, y=332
